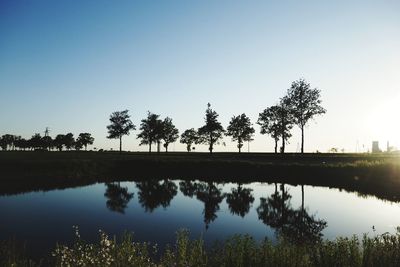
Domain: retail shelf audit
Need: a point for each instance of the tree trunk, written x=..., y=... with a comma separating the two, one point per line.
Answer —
x=283, y=145
x=166, y=147
x=240, y=148
x=211, y=147
x=158, y=146
x=276, y=146
x=120, y=144
x=302, y=199
x=188, y=147
x=302, y=139
x=149, y=147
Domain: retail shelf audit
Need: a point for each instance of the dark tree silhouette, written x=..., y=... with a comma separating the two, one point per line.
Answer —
x=212, y=131
x=305, y=104
x=3, y=143
x=85, y=139
x=189, y=137
x=151, y=130
x=59, y=141
x=211, y=196
x=21, y=143
x=78, y=145
x=69, y=141
x=117, y=197
x=7, y=141
x=285, y=122
x=188, y=188
x=303, y=228
x=240, y=200
x=241, y=130
x=47, y=142
x=276, y=210
x=120, y=125
x=36, y=141
x=169, y=132
x=269, y=121
x=153, y=193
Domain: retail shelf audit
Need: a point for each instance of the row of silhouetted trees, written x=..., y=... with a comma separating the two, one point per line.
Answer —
x=301, y=104
x=46, y=142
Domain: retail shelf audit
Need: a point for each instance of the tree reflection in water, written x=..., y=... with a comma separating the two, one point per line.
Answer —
x=211, y=196
x=154, y=193
x=240, y=200
x=117, y=197
x=297, y=226
x=188, y=188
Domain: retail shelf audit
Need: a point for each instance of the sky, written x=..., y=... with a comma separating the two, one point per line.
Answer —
x=68, y=65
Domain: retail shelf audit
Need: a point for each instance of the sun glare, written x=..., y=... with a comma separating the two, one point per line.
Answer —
x=384, y=122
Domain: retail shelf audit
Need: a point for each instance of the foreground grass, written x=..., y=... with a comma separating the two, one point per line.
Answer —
x=239, y=250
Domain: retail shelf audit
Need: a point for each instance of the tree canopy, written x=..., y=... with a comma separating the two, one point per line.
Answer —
x=189, y=137
x=212, y=131
x=169, y=132
x=151, y=130
x=241, y=130
x=120, y=125
x=304, y=103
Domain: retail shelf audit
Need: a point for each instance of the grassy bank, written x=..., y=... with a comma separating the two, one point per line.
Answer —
x=383, y=250
x=377, y=175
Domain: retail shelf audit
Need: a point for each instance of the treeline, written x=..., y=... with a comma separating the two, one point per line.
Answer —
x=301, y=104
x=46, y=142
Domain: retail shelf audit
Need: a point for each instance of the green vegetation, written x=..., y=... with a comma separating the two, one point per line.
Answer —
x=239, y=250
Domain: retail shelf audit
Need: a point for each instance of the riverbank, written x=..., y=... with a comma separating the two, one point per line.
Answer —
x=377, y=175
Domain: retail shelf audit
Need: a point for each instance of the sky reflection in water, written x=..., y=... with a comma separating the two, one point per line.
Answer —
x=155, y=210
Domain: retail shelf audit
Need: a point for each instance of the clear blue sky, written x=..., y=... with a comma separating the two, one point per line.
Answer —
x=69, y=64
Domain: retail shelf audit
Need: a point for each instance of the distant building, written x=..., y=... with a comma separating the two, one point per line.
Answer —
x=375, y=147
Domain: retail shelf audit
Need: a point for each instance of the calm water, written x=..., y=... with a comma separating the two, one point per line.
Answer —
x=155, y=210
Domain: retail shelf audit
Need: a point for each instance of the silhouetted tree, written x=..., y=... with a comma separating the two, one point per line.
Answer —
x=303, y=228
x=7, y=141
x=85, y=139
x=211, y=196
x=78, y=145
x=239, y=200
x=276, y=210
x=240, y=129
x=269, y=121
x=285, y=122
x=189, y=137
x=120, y=125
x=3, y=143
x=212, y=131
x=59, y=141
x=151, y=130
x=305, y=103
x=21, y=143
x=36, y=141
x=153, y=193
x=188, y=188
x=47, y=142
x=118, y=197
x=69, y=141
x=169, y=132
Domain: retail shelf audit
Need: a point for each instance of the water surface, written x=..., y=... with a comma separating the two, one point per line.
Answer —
x=155, y=210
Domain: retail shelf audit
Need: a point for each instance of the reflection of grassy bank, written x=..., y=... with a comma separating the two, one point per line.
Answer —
x=368, y=174
x=236, y=251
